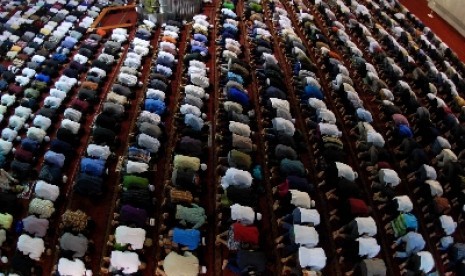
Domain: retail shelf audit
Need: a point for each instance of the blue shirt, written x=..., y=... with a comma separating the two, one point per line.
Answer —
x=404, y=131
x=92, y=166
x=54, y=158
x=155, y=106
x=230, y=27
x=166, y=61
x=196, y=123
x=30, y=145
x=274, y=92
x=60, y=146
x=238, y=96
x=226, y=33
x=67, y=44
x=235, y=77
x=200, y=49
x=188, y=237
x=59, y=57
x=296, y=68
x=312, y=91
x=43, y=78
x=201, y=38
x=414, y=242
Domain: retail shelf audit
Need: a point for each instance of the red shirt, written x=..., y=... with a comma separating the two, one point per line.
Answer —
x=80, y=105
x=23, y=155
x=283, y=188
x=358, y=207
x=247, y=234
x=383, y=165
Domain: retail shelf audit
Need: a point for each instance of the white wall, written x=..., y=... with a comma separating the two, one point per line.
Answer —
x=453, y=11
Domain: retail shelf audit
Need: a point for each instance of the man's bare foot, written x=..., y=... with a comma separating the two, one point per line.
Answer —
x=225, y=263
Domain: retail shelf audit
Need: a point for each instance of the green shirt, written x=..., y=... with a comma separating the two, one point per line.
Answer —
x=228, y=5
x=132, y=181
x=195, y=215
x=239, y=159
x=256, y=7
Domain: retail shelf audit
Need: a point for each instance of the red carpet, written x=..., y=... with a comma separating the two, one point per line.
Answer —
x=438, y=25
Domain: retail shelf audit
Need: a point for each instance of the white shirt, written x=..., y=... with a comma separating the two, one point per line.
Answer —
x=300, y=199
x=155, y=94
x=426, y=261
x=448, y=224
x=366, y=226
x=284, y=126
x=389, y=177
x=9, y=134
x=236, y=177
x=435, y=187
x=71, y=125
x=101, y=152
x=23, y=112
x=326, y=116
x=16, y=122
x=190, y=109
x=32, y=247
x=185, y=265
x=47, y=191
x=200, y=80
x=58, y=93
x=36, y=134
x=404, y=203
x=239, y=128
x=71, y=268
x=194, y=90
x=278, y=103
x=80, y=58
x=316, y=103
x=375, y=138
x=446, y=155
x=243, y=214
x=42, y=122
x=368, y=246
x=329, y=129
x=136, y=167
x=430, y=172
x=132, y=236
x=443, y=142
x=305, y=236
x=127, y=261
x=364, y=115
x=309, y=216
x=312, y=257
x=346, y=171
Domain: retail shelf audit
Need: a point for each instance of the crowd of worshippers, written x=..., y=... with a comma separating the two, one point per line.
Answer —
x=50, y=52
x=182, y=233
x=239, y=175
x=46, y=50
x=137, y=198
x=422, y=111
x=135, y=194
x=299, y=245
